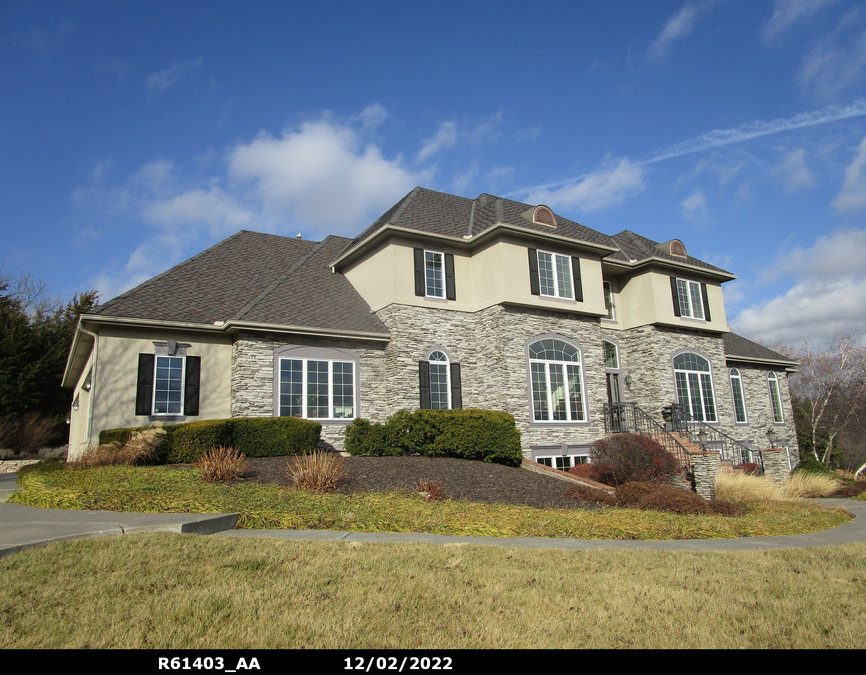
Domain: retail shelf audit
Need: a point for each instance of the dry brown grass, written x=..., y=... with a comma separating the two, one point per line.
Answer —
x=431, y=490
x=168, y=591
x=739, y=487
x=143, y=448
x=221, y=464
x=316, y=471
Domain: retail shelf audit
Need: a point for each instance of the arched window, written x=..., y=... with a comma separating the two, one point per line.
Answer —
x=439, y=381
x=739, y=398
x=695, y=386
x=557, y=382
x=775, y=397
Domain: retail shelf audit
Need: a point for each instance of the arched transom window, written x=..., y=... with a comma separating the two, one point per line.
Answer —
x=695, y=386
x=557, y=382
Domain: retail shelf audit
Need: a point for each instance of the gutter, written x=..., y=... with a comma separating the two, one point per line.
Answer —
x=790, y=366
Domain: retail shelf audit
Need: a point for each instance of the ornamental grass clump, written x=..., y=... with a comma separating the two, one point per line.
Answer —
x=317, y=471
x=221, y=464
x=143, y=447
x=431, y=490
x=804, y=484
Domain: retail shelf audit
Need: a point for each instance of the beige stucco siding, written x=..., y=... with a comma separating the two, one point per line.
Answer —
x=645, y=298
x=115, y=380
x=494, y=274
x=79, y=419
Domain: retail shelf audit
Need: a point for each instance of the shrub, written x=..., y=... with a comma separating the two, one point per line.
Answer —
x=27, y=435
x=317, y=471
x=485, y=435
x=221, y=464
x=631, y=458
x=849, y=490
x=812, y=465
x=143, y=447
x=585, y=470
x=656, y=497
x=254, y=436
x=585, y=493
x=722, y=507
x=431, y=490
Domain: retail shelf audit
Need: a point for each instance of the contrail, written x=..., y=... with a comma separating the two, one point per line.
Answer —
x=721, y=137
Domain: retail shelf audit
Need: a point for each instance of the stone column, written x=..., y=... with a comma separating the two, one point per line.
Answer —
x=706, y=468
x=776, y=465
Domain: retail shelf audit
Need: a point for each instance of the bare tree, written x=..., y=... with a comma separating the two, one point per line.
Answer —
x=831, y=388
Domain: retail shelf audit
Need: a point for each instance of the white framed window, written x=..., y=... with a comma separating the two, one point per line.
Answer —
x=434, y=274
x=440, y=381
x=556, y=381
x=608, y=301
x=554, y=275
x=738, y=396
x=168, y=385
x=690, y=299
x=562, y=462
x=317, y=388
x=775, y=397
x=694, y=384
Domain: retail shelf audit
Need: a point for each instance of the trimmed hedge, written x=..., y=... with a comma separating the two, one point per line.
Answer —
x=254, y=436
x=485, y=435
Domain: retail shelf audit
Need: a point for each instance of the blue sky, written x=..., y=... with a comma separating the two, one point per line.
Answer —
x=132, y=136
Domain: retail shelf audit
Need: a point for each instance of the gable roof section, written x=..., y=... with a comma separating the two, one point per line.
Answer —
x=640, y=249
x=252, y=278
x=738, y=348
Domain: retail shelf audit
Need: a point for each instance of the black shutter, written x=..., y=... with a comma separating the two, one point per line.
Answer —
x=456, y=391
x=450, y=289
x=424, y=383
x=706, y=302
x=676, y=296
x=534, y=288
x=144, y=388
x=191, y=387
x=578, y=285
x=420, y=283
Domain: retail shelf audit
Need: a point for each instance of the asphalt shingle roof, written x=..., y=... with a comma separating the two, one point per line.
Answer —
x=253, y=277
x=737, y=345
x=637, y=247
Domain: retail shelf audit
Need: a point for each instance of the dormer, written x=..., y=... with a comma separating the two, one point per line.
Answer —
x=540, y=215
x=675, y=248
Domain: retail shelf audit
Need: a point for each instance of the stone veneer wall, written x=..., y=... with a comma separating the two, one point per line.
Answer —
x=650, y=351
x=490, y=346
x=253, y=378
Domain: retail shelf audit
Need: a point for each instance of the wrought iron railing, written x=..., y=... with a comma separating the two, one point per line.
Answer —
x=680, y=419
x=628, y=418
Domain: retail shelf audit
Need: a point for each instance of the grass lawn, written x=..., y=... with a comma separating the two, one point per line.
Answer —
x=169, y=489
x=188, y=591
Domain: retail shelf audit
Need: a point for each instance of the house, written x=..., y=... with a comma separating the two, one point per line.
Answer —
x=443, y=302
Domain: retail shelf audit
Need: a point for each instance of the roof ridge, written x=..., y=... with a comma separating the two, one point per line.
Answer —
x=180, y=265
x=280, y=279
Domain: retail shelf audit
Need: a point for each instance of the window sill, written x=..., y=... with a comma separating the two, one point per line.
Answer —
x=554, y=425
x=167, y=418
x=556, y=298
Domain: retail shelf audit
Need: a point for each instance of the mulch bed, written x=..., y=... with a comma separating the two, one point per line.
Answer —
x=460, y=478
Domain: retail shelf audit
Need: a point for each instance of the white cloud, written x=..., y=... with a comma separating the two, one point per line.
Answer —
x=826, y=298
x=598, y=190
x=694, y=208
x=853, y=194
x=321, y=174
x=837, y=62
x=162, y=80
x=794, y=171
x=679, y=26
x=788, y=12
x=218, y=212
x=445, y=138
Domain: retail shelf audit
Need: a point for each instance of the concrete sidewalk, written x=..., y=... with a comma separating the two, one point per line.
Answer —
x=25, y=526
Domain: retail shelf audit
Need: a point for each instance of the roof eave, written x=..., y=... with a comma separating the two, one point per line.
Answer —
x=232, y=325
x=663, y=262
x=790, y=366
x=466, y=241
x=70, y=375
